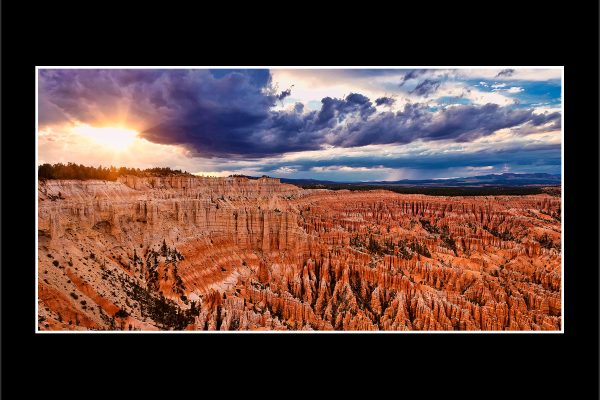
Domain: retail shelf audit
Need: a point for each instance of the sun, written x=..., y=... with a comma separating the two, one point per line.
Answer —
x=114, y=138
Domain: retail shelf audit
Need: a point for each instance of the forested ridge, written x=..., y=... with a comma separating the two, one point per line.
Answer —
x=82, y=172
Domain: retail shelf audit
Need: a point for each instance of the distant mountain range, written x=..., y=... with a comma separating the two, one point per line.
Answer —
x=505, y=179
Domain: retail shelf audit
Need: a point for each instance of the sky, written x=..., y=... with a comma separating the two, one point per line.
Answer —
x=328, y=124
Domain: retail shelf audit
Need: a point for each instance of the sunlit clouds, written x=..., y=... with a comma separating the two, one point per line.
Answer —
x=117, y=139
x=107, y=146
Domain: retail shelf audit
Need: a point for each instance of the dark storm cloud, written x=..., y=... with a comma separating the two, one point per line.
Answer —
x=284, y=94
x=385, y=101
x=460, y=123
x=412, y=74
x=540, y=123
x=334, y=111
x=426, y=87
x=541, y=119
x=505, y=72
x=229, y=113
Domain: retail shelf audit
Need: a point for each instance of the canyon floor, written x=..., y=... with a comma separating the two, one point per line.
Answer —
x=192, y=253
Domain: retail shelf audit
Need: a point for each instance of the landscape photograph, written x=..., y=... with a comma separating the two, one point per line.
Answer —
x=304, y=199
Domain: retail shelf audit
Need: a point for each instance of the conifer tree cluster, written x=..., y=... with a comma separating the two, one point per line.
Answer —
x=82, y=172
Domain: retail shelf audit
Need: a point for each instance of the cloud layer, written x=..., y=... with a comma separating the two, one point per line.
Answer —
x=234, y=113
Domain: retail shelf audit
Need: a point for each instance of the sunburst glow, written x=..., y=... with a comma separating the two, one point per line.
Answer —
x=115, y=138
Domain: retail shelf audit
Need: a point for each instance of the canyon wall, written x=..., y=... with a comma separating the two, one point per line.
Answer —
x=255, y=254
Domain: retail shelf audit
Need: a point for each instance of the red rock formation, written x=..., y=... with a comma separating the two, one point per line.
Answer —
x=233, y=253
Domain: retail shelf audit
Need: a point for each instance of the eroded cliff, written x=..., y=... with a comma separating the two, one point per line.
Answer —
x=236, y=253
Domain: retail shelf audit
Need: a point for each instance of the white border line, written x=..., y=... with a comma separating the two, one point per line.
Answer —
x=304, y=67
x=37, y=207
x=562, y=182
x=562, y=201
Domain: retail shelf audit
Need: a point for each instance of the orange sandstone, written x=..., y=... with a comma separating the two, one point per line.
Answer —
x=240, y=254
